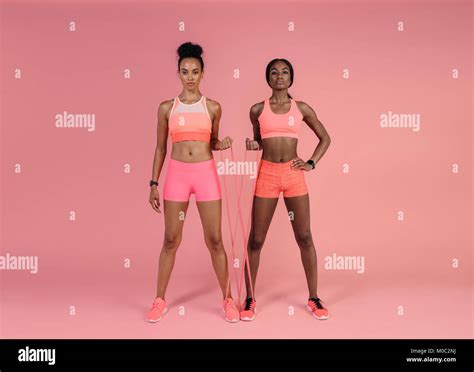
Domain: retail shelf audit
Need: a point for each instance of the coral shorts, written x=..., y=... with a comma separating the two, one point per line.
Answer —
x=184, y=179
x=274, y=178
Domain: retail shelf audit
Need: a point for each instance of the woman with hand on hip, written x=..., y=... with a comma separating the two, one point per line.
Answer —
x=192, y=120
x=276, y=122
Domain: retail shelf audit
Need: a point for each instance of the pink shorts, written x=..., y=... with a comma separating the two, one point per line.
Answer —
x=274, y=178
x=184, y=179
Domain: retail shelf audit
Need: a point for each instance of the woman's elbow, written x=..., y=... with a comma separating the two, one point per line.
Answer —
x=160, y=150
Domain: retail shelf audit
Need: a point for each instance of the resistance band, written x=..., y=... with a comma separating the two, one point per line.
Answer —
x=239, y=218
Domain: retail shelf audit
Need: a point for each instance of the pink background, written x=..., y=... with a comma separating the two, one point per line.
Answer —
x=407, y=263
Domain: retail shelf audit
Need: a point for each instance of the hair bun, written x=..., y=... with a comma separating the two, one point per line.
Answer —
x=189, y=50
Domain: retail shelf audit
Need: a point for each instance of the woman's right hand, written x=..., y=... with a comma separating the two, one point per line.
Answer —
x=155, y=199
x=251, y=145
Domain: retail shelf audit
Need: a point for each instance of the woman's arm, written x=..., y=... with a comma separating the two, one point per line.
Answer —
x=310, y=118
x=162, y=137
x=255, y=112
x=214, y=108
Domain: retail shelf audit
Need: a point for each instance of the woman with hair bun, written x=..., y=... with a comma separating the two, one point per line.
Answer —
x=192, y=121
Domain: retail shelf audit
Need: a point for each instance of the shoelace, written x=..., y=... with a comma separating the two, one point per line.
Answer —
x=248, y=303
x=158, y=305
x=317, y=302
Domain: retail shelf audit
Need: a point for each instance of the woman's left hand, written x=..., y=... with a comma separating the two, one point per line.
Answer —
x=225, y=143
x=299, y=163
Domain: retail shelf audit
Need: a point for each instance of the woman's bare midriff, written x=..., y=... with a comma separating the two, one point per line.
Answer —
x=191, y=151
x=279, y=149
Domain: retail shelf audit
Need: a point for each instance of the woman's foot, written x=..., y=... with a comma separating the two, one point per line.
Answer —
x=316, y=306
x=248, y=312
x=230, y=310
x=158, y=309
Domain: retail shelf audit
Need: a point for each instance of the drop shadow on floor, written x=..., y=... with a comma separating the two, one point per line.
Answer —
x=330, y=294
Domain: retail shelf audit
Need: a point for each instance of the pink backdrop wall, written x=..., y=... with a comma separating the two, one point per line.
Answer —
x=417, y=277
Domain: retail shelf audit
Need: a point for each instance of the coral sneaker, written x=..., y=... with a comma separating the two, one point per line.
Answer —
x=248, y=313
x=158, y=309
x=315, y=305
x=230, y=310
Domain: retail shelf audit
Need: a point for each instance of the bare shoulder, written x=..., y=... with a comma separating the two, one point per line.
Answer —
x=165, y=106
x=213, y=105
x=304, y=108
x=256, y=109
x=167, y=103
x=303, y=105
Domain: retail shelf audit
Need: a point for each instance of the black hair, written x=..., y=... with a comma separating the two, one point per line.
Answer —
x=189, y=49
x=269, y=66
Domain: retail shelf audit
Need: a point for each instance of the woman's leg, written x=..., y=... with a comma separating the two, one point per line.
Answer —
x=262, y=213
x=210, y=213
x=174, y=220
x=298, y=206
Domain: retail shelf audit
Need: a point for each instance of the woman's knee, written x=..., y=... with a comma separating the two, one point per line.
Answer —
x=304, y=239
x=214, y=242
x=171, y=241
x=256, y=242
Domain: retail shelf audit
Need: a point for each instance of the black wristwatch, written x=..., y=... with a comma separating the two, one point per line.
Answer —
x=153, y=183
x=311, y=162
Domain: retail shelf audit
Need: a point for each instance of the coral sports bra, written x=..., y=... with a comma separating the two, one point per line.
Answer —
x=280, y=125
x=190, y=122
